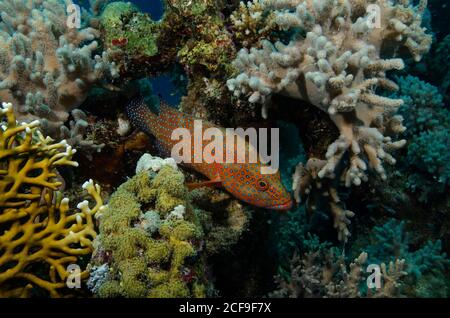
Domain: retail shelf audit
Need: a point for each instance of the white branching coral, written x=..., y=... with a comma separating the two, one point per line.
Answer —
x=337, y=67
x=334, y=61
x=75, y=134
x=47, y=65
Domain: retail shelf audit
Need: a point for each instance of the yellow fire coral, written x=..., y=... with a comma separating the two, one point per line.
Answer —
x=39, y=238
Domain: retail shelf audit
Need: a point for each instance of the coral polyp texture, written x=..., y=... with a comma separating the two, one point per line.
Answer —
x=48, y=62
x=149, y=238
x=37, y=227
x=334, y=62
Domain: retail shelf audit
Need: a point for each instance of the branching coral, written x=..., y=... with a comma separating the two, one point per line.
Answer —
x=336, y=67
x=309, y=187
x=428, y=121
x=429, y=158
x=423, y=108
x=47, y=65
x=324, y=274
x=39, y=237
x=333, y=61
x=252, y=23
x=391, y=241
x=75, y=134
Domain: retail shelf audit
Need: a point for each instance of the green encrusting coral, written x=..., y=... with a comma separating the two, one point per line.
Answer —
x=123, y=26
x=157, y=263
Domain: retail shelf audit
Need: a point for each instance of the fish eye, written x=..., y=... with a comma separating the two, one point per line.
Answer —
x=262, y=185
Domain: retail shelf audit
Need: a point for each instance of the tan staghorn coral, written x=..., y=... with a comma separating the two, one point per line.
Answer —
x=334, y=62
x=251, y=23
x=325, y=274
x=47, y=65
x=307, y=186
x=39, y=237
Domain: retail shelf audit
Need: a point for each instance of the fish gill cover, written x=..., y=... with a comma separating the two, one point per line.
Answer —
x=350, y=96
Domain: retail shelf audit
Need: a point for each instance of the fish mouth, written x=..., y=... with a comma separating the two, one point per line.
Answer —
x=283, y=206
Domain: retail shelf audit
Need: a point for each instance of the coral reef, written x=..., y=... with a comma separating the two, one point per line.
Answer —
x=76, y=133
x=423, y=108
x=47, y=64
x=205, y=51
x=343, y=80
x=156, y=237
x=191, y=36
x=122, y=27
x=333, y=61
x=428, y=156
x=36, y=226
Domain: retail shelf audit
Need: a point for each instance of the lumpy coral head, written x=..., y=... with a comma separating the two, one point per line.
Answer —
x=146, y=263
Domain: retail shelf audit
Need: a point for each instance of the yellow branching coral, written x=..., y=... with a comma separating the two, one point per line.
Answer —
x=39, y=237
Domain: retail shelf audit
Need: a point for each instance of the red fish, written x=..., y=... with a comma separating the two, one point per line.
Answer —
x=119, y=42
x=243, y=180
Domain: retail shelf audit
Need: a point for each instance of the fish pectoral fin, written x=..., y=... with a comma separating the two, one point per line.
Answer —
x=216, y=182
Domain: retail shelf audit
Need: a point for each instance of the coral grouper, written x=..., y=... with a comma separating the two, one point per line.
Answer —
x=243, y=180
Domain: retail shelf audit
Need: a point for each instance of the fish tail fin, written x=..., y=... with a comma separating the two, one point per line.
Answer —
x=140, y=115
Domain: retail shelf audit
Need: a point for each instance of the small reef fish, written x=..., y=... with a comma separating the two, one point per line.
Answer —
x=243, y=180
x=119, y=42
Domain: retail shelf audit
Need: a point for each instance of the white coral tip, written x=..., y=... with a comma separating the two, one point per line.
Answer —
x=6, y=106
x=88, y=184
x=83, y=205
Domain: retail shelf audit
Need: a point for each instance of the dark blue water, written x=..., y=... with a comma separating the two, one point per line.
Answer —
x=154, y=7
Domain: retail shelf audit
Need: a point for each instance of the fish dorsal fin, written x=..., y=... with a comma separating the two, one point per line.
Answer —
x=165, y=108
